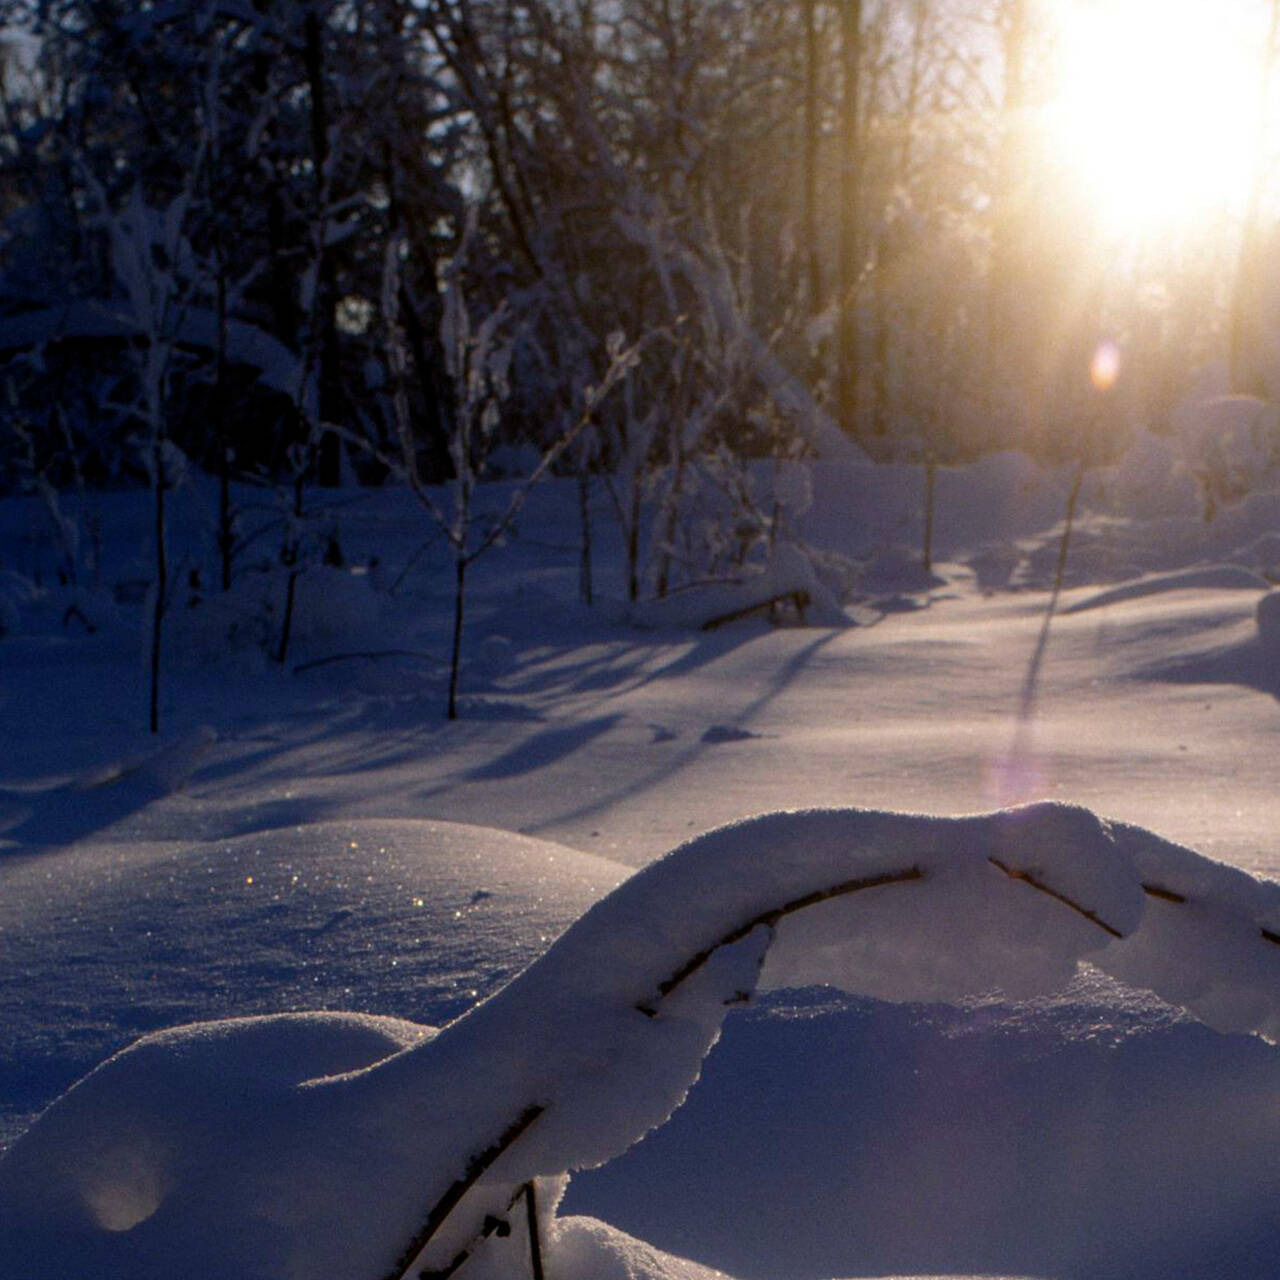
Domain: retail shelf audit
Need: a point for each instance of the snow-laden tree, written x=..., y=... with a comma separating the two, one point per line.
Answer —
x=1230, y=440
x=304, y=1147
x=478, y=354
x=309, y=115
x=158, y=275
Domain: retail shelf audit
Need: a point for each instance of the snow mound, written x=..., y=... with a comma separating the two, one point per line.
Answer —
x=1218, y=577
x=1268, y=616
x=898, y=568
x=1095, y=1134
x=1230, y=441
x=242, y=624
x=105, y=794
x=1210, y=937
x=328, y=1149
x=408, y=917
x=587, y=1249
x=790, y=579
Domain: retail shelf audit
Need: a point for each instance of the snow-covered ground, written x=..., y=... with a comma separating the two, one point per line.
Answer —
x=315, y=859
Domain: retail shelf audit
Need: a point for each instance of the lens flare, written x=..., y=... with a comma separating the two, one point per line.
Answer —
x=1104, y=368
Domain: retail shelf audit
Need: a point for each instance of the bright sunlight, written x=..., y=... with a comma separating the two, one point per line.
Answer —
x=1158, y=107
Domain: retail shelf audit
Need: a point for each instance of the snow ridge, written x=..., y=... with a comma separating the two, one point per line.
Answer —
x=335, y=1147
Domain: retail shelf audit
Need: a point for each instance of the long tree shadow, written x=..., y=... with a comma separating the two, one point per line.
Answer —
x=60, y=815
x=783, y=676
x=628, y=664
x=544, y=748
x=370, y=734
x=386, y=731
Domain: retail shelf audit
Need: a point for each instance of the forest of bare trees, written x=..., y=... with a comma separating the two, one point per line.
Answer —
x=234, y=232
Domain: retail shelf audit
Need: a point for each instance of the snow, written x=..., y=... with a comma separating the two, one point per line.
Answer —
x=274, y=363
x=417, y=917
x=294, y=1126
x=1268, y=615
x=993, y=1092
x=788, y=577
x=1226, y=577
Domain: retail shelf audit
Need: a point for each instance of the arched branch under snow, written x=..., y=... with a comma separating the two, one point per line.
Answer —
x=349, y=1147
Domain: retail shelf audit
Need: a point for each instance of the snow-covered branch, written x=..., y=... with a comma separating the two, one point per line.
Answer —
x=277, y=1152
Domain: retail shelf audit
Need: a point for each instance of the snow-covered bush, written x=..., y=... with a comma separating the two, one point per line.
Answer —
x=339, y=1145
x=788, y=585
x=1232, y=444
x=1263, y=554
x=330, y=605
x=897, y=567
x=1229, y=443
x=60, y=609
x=1150, y=479
x=16, y=593
x=793, y=487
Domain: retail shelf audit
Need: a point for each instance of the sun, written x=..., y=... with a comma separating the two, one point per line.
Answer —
x=1157, y=107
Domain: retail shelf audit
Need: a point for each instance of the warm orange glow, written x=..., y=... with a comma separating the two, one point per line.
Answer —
x=1104, y=368
x=1157, y=108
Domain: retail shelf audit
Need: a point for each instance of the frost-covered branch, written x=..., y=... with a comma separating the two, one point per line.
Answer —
x=1033, y=881
x=478, y=360
x=791, y=396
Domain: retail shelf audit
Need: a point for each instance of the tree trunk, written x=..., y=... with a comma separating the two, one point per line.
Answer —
x=1241, y=365
x=672, y=522
x=1006, y=349
x=455, y=656
x=322, y=323
x=930, y=476
x=290, y=554
x=850, y=232
x=585, y=593
x=811, y=256
x=1073, y=497
x=226, y=515
x=162, y=577
x=633, y=543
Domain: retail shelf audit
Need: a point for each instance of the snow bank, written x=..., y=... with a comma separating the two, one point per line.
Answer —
x=1230, y=441
x=1210, y=936
x=789, y=577
x=1216, y=577
x=1268, y=616
x=104, y=940
x=337, y=1147
x=587, y=1249
x=105, y=794
x=898, y=568
x=330, y=606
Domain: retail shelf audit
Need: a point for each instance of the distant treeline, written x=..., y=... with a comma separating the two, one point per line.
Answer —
x=235, y=223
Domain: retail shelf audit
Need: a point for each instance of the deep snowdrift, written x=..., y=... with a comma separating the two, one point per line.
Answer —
x=413, y=918
x=320, y=1145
